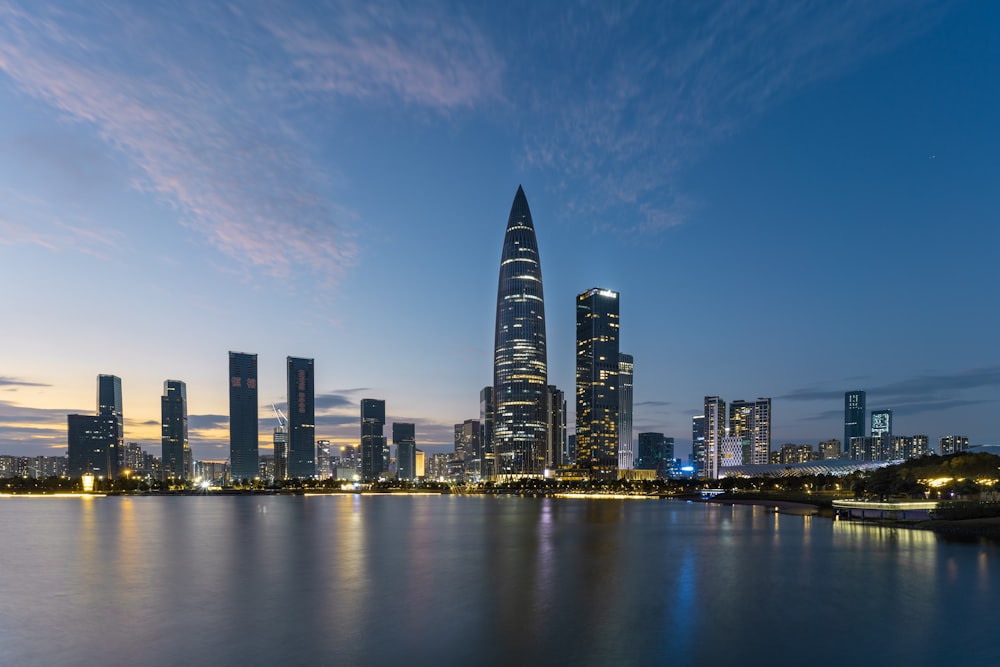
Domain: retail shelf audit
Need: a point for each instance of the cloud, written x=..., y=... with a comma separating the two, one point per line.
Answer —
x=201, y=138
x=334, y=401
x=6, y=381
x=924, y=386
x=207, y=422
x=640, y=90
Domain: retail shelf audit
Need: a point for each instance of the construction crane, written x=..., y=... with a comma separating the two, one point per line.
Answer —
x=282, y=421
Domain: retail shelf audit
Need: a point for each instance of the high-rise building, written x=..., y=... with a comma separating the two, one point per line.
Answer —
x=597, y=402
x=626, y=454
x=324, y=459
x=486, y=465
x=468, y=447
x=715, y=430
x=882, y=430
x=854, y=417
x=301, y=419
x=569, y=458
x=699, y=452
x=404, y=436
x=280, y=443
x=909, y=447
x=731, y=450
x=760, y=432
x=829, y=449
x=88, y=446
x=654, y=452
x=520, y=369
x=174, y=430
x=243, y=442
x=109, y=407
x=557, y=428
x=372, y=439
x=952, y=444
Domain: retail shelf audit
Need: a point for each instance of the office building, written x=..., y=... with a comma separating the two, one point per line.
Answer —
x=731, y=450
x=243, y=438
x=854, y=417
x=373, y=443
x=324, y=459
x=520, y=367
x=557, y=428
x=109, y=407
x=715, y=430
x=699, y=452
x=468, y=447
x=174, y=431
x=487, y=468
x=89, y=448
x=404, y=436
x=654, y=452
x=626, y=453
x=881, y=428
x=597, y=402
x=301, y=419
x=751, y=421
x=952, y=444
x=279, y=441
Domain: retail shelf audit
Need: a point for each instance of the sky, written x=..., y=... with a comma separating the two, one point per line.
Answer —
x=794, y=200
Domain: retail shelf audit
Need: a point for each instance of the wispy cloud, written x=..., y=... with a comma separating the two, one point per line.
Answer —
x=7, y=381
x=199, y=137
x=644, y=88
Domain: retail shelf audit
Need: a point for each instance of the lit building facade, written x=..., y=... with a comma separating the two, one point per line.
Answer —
x=854, y=416
x=952, y=444
x=829, y=449
x=301, y=419
x=699, y=453
x=597, y=401
x=174, y=431
x=520, y=367
x=715, y=430
x=626, y=453
x=243, y=437
x=373, y=444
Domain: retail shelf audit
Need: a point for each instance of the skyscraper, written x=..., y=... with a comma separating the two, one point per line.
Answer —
x=174, y=430
x=243, y=445
x=715, y=430
x=301, y=419
x=882, y=432
x=520, y=370
x=626, y=455
x=109, y=407
x=557, y=428
x=468, y=447
x=487, y=468
x=404, y=436
x=597, y=395
x=372, y=439
x=654, y=453
x=854, y=417
x=699, y=453
x=87, y=450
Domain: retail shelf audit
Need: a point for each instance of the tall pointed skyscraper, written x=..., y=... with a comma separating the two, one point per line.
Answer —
x=520, y=371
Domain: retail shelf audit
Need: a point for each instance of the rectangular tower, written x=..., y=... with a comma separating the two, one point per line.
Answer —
x=882, y=433
x=699, y=453
x=557, y=428
x=372, y=439
x=626, y=454
x=109, y=407
x=854, y=417
x=715, y=430
x=404, y=436
x=301, y=419
x=174, y=430
x=243, y=442
x=597, y=402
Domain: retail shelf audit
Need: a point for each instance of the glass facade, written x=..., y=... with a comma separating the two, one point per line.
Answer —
x=301, y=419
x=520, y=370
x=626, y=453
x=174, y=430
x=404, y=436
x=109, y=406
x=597, y=389
x=854, y=417
x=373, y=444
x=243, y=443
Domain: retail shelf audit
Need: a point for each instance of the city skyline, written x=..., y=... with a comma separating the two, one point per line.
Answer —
x=174, y=185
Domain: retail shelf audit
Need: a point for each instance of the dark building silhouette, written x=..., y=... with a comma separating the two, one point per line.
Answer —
x=301, y=419
x=174, y=430
x=699, y=451
x=654, y=452
x=520, y=370
x=556, y=450
x=373, y=444
x=487, y=468
x=243, y=444
x=597, y=395
x=854, y=417
x=404, y=436
x=88, y=449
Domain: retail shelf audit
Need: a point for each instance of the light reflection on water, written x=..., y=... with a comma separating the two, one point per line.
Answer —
x=439, y=579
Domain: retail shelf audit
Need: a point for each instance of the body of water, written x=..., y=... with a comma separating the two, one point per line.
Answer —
x=377, y=580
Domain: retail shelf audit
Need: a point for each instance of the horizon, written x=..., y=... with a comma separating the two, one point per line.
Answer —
x=792, y=203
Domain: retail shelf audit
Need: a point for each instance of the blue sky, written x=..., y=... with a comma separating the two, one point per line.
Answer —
x=793, y=199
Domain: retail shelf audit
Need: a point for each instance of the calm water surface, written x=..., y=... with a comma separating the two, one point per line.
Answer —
x=373, y=580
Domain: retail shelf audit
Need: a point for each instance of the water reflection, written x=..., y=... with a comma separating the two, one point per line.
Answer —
x=421, y=580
